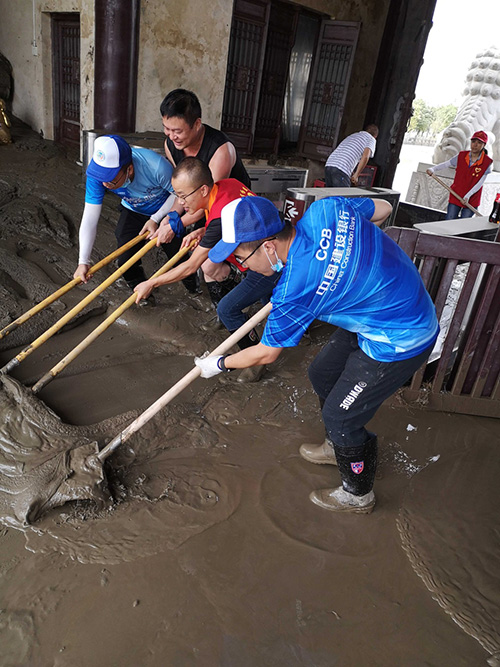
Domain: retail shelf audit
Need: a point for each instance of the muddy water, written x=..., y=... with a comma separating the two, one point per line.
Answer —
x=205, y=549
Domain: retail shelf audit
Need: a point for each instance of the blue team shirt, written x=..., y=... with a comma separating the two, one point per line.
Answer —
x=148, y=191
x=342, y=269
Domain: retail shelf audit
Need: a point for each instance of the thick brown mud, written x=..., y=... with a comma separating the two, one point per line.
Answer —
x=200, y=546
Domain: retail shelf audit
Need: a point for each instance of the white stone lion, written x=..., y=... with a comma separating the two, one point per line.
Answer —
x=479, y=111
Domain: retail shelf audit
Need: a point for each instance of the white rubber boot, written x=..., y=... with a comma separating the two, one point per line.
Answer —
x=320, y=454
x=339, y=500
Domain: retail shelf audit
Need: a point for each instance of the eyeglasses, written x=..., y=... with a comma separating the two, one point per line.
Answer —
x=244, y=261
x=184, y=197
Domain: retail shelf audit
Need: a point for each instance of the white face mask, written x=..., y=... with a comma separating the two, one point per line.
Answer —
x=278, y=265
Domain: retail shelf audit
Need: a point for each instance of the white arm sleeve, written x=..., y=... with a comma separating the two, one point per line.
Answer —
x=478, y=185
x=166, y=208
x=449, y=164
x=88, y=231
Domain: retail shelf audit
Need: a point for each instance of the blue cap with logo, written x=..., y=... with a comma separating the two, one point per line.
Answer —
x=111, y=153
x=247, y=219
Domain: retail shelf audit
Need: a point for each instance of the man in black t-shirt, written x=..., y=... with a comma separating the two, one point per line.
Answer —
x=187, y=136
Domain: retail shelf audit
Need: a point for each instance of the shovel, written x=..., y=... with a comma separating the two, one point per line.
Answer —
x=79, y=471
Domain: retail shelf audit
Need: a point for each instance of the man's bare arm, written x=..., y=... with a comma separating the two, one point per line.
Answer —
x=144, y=289
x=382, y=211
x=223, y=161
x=361, y=165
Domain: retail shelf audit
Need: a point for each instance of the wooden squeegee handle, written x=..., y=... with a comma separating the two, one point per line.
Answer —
x=161, y=402
x=69, y=286
x=461, y=199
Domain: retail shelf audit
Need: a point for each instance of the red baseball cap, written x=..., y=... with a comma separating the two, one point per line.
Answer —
x=482, y=136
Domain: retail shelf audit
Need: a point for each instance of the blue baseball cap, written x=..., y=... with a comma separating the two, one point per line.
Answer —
x=247, y=219
x=111, y=153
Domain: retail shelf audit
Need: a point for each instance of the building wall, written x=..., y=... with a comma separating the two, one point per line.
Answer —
x=20, y=26
x=180, y=46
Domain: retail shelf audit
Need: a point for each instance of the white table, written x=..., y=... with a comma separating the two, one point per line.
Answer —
x=477, y=226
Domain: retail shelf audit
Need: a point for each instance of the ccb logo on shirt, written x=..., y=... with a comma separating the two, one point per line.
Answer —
x=324, y=244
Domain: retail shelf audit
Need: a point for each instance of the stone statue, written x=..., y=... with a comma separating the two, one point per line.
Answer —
x=479, y=111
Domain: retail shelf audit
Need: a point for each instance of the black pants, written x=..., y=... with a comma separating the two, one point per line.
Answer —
x=354, y=386
x=129, y=225
x=335, y=178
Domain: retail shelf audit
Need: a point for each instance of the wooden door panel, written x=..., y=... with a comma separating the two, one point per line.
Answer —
x=244, y=72
x=66, y=77
x=327, y=88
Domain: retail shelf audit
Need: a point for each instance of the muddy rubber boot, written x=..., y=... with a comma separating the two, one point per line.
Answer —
x=320, y=454
x=339, y=500
x=213, y=324
x=149, y=302
x=252, y=373
x=216, y=292
x=357, y=467
x=192, y=284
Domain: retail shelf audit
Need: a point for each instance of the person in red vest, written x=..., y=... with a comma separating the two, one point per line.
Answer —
x=472, y=167
x=196, y=191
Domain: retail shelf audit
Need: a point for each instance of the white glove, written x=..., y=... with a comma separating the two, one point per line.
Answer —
x=209, y=366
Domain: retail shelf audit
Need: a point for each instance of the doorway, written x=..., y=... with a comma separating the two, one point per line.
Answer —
x=66, y=77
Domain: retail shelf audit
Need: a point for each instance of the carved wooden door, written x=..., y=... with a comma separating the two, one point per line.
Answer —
x=66, y=77
x=244, y=71
x=327, y=88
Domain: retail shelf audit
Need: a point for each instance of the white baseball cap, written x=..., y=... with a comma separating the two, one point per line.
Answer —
x=248, y=219
x=111, y=153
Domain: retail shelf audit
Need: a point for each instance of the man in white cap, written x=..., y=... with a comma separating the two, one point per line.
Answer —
x=142, y=179
x=341, y=268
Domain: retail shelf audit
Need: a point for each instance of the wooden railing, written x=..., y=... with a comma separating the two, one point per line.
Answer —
x=463, y=278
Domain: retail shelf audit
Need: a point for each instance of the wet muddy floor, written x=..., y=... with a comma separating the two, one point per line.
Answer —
x=209, y=551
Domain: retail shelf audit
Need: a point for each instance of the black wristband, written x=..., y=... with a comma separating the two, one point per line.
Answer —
x=221, y=364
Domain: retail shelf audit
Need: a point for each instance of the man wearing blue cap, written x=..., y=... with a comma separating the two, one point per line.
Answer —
x=142, y=179
x=195, y=188
x=341, y=268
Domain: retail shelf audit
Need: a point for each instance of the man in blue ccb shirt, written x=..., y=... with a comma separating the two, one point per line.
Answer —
x=339, y=267
x=142, y=180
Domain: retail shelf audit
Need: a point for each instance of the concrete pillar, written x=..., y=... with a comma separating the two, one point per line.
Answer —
x=393, y=88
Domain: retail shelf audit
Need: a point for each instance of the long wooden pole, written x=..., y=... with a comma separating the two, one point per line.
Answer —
x=160, y=403
x=79, y=307
x=461, y=199
x=50, y=375
x=69, y=286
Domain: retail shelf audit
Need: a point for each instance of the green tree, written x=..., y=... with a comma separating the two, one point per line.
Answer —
x=422, y=117
x=444, y=116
